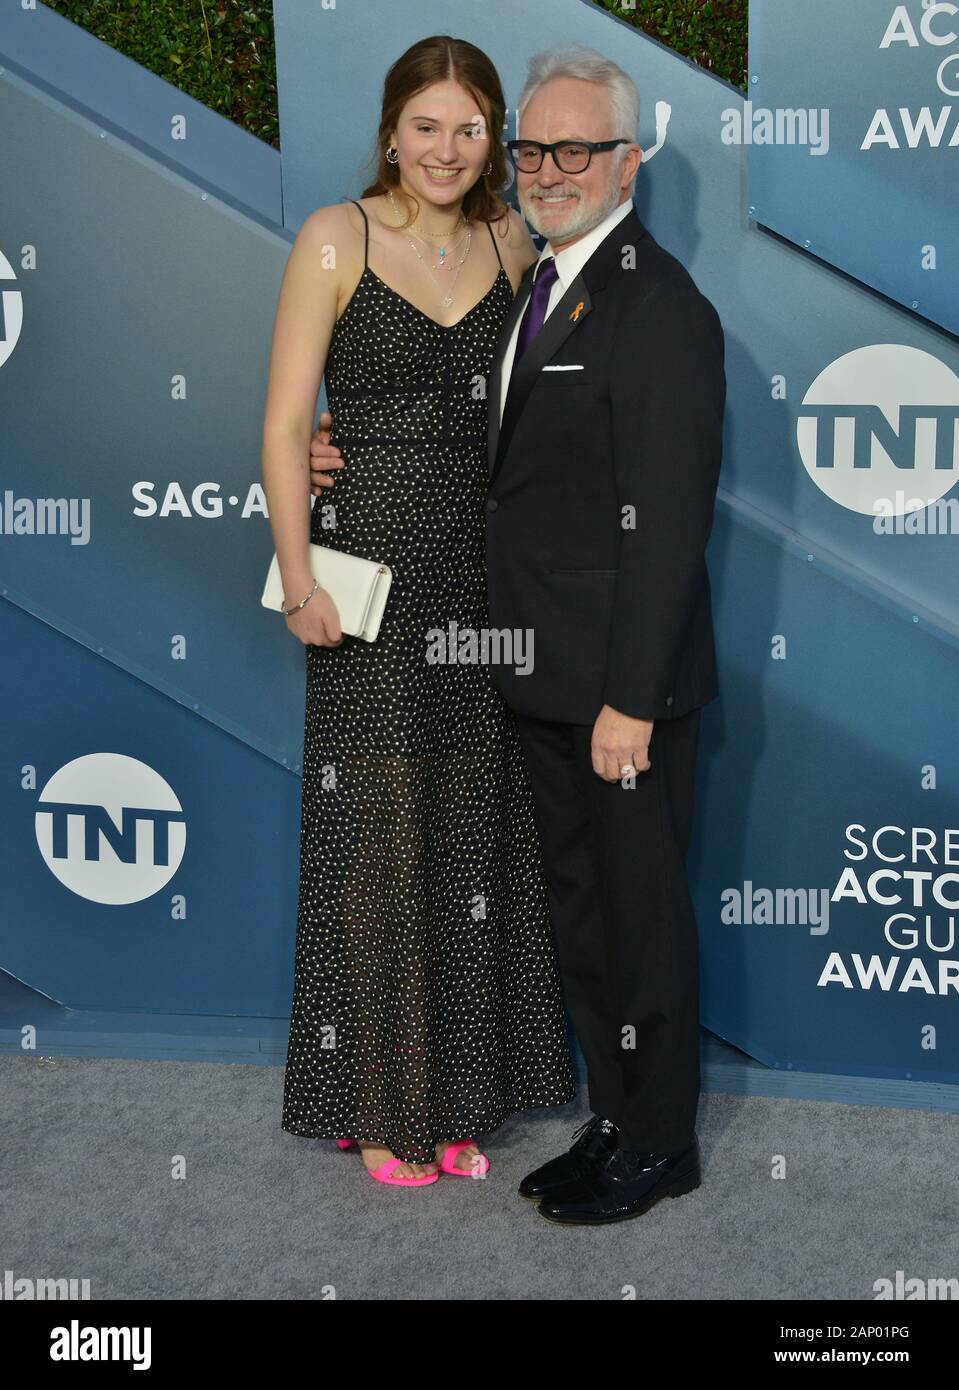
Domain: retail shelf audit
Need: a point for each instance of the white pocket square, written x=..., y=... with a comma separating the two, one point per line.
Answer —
x=563, y=367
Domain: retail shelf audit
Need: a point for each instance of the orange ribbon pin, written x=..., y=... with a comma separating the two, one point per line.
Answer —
x=577, y=311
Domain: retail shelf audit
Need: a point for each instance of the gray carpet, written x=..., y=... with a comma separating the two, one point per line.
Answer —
x=87, y=1192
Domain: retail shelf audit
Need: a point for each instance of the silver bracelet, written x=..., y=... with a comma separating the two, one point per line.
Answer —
x=287, y=611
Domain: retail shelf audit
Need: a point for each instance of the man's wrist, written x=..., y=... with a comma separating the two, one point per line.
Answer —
x=638, y=709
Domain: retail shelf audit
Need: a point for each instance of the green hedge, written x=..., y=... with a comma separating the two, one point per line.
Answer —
x=220, y=52
x=712, y=32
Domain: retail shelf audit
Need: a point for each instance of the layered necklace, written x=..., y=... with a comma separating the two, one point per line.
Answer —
x=445, y=262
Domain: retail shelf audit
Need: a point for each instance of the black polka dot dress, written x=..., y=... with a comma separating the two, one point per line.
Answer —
x=427, y=1004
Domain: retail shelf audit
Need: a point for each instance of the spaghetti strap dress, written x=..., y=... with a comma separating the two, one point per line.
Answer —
x=427, y=1003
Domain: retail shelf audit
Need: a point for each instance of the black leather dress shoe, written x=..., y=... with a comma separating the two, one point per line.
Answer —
x=593, y=1144
x=626, y=1186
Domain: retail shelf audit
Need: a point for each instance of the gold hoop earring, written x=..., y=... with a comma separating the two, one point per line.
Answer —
x=392, y=155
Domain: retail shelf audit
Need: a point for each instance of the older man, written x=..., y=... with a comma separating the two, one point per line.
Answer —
x=605, y=439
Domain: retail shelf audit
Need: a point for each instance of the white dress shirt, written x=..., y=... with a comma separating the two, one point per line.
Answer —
x=569, y=263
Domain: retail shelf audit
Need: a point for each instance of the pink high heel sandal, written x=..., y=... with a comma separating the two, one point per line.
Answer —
x=479, y=1166
x=388, y=1166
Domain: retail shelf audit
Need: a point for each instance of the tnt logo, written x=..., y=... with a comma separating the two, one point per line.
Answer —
x=110, y=828
x=11, y=311
x=881, y=421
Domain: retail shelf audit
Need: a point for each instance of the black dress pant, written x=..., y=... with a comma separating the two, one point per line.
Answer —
x=623, y=917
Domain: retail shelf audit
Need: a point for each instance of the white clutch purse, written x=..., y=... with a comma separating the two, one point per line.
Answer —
x=356, y=585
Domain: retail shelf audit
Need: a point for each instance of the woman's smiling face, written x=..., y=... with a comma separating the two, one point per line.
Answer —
x=443, y=143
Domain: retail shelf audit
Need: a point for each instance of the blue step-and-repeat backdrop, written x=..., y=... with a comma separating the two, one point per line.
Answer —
x=153, y=711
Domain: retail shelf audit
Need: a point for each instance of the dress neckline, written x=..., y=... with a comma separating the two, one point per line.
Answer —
x=443, y=327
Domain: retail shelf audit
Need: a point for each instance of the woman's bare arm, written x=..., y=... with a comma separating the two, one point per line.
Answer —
x=305, y=315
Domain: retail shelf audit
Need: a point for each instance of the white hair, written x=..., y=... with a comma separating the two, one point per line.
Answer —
x=589, y=66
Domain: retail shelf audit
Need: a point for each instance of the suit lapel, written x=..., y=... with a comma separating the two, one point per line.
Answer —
x=572, y=310
x=568, y=314
x=496, y=371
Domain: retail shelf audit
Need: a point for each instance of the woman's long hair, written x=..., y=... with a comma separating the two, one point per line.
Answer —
x=439, y=59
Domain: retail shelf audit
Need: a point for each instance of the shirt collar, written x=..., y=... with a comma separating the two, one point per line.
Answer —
x=570, y=261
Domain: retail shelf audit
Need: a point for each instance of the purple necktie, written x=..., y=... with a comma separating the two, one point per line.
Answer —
x=535, y=315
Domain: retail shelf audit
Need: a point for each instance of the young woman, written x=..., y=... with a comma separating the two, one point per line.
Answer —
x=427, y=1006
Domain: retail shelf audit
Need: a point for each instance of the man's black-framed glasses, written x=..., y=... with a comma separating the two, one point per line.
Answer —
x=570, y=156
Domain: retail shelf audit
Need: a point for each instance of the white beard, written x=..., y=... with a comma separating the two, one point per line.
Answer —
x=581, y=220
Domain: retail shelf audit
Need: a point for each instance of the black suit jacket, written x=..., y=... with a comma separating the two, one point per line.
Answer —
x=620, y=613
